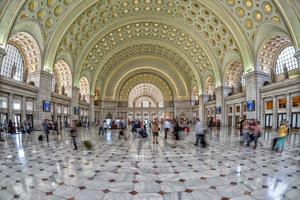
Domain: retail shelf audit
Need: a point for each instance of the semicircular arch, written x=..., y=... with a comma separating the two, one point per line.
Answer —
x=142, y=78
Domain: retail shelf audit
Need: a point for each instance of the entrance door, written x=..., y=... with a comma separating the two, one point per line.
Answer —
x=268, y=120
x=66, y=121
x=281, y=118
x=237, y=119
x=3, y=117
x=229, y=120
x=17, y=120
x=295, y=120
x=29, y=118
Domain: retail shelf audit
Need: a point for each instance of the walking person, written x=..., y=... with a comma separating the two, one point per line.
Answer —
x=245, y=133
x=200, y=133
x=256, y=131
x=177, y=129
x=282, y=134
x=155, y=130
x=241, y=125
x=105, y=126
x=74, y=133
x=46, y=129
x=167, y=127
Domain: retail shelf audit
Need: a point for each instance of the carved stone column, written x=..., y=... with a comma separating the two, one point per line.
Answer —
x=221, y=92
x=44, y=94
x=202, y=100
x=23, y=109
x=92, y=109
x=10, y=106
x=74, y=103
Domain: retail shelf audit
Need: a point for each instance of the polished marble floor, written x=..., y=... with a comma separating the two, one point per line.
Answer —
x=137, y=169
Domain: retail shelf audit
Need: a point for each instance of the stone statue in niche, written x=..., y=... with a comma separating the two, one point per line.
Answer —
x=214, y=96
x=56, y=88
x=63, y=90
x=13, y=71
x=80, y=96
x=83, y=98
x=25, y=76
x=231, y=90
x=285, y=72
x=240, y=87
x=273, y=80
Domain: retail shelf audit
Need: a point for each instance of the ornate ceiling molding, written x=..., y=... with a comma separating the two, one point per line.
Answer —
x=145, y=49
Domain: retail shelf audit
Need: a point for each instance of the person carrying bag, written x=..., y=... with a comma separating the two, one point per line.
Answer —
x=200, y=133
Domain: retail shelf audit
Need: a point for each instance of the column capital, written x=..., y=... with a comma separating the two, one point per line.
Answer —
x=255, y=74
x=75, y=88
x=46, y=73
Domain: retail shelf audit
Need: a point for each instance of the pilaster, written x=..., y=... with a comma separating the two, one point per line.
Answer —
x=275, y=114
x=254, y=81
x=92, y=109
x=55, y=111
x=74, y=103
x=221, y=92
x=202, y=100
x=233, y=116
x=289, y=105
x=10, y=106
x=44, y=94
x=23, y=109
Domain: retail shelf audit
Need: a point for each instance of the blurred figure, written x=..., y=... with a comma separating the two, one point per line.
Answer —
x=46, y=129
x=155, y=130
x=279, y=141
x=241, y=123
x=200, y=133
x=245, y=133
x=74, y=133
x=256, y=132
x=104, y=126
x=167, y=127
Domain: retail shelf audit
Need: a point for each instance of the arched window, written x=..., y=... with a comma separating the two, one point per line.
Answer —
x=13, y=63
x=286, y=57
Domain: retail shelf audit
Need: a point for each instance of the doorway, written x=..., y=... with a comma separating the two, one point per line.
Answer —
x=65, y=121
x=17, y=120
x=295, y=123
x=281, y=118
x=230, y=121
x=268, y=120
x=29, y=118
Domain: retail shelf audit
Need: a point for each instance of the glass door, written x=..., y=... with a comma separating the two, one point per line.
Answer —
x=29, y=118
x=268, y=120
x=229, y=120
x=17, y=120
x=295, y=120
x=281, y=118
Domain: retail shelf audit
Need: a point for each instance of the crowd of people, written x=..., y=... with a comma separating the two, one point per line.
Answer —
x=11, y=127
x=250, y=130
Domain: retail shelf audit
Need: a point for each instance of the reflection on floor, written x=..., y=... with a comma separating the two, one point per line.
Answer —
x=137, y=169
